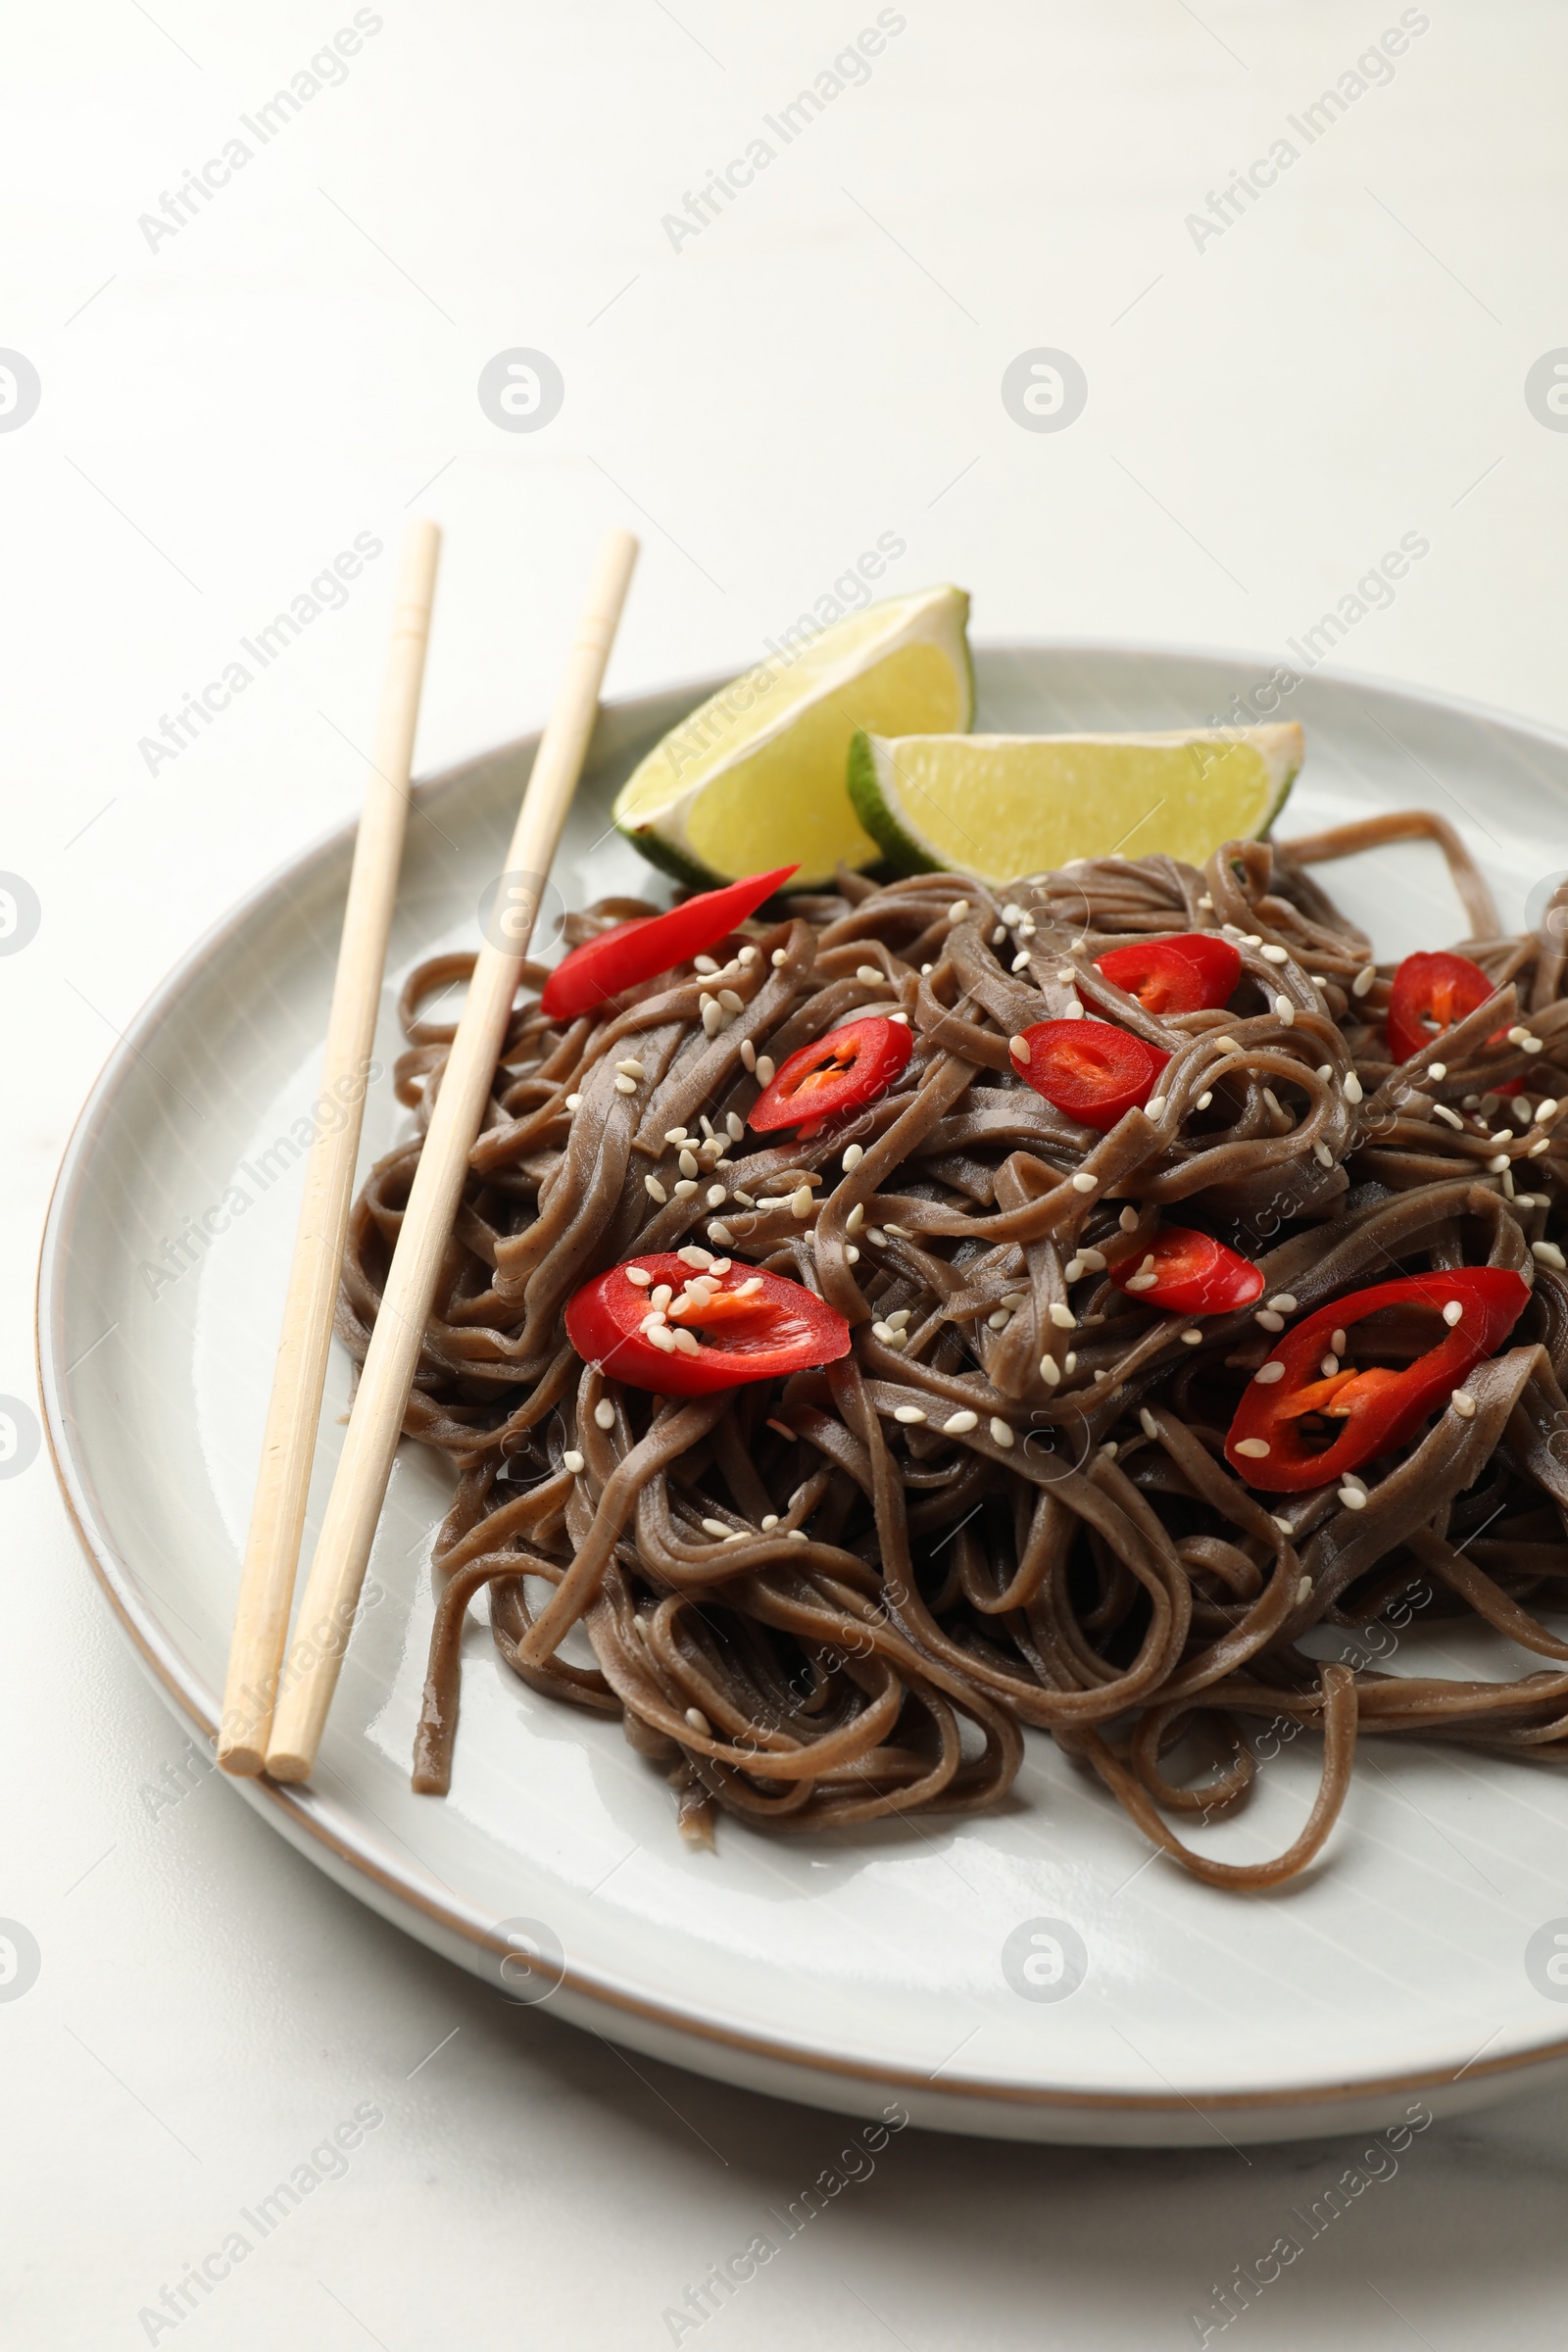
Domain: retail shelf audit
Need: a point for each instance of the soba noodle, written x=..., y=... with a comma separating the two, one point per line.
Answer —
x=812, y=1613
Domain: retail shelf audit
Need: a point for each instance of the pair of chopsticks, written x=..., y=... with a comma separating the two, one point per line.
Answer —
x=273, y=1717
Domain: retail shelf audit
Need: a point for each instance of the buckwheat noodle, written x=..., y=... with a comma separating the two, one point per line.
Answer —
x=813, y=1614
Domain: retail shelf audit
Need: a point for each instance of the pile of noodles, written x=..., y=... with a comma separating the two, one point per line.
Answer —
x=810, y=1613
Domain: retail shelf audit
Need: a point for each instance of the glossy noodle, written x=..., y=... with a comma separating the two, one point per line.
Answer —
x=842, y=1596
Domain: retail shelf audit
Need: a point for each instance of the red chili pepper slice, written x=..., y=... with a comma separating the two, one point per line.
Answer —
x=1381, y=1406
x=1189, y=1273
x=748, y=1325
x=651, y=943
x=842, y=1071
x=1090, y=1070
x=1430, y=992
x=1197, y=971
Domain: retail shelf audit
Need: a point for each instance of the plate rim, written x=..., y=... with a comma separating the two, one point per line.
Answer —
x=326, y=1822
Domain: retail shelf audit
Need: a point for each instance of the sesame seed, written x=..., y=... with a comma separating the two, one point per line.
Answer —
x=1140, y=1281
x=1225, y=1044
x=1450, y=1118
x=1436, y=1069
x=631, y=1067
x=1154, y=1108
x=1267, y=1374
x=1146, y=1422
x=1094, y=1259
x=748, y=955
x=1001, y=1432
x=999, y=1320
x=573, y=1462
x=1083, y=1183
x=1337, y=1339
x=1205, y=1099
x=625, y=1086
x=1322, y=1154
x=1192, y=1338
x=769, y=1523
x=1352, y=1497
x=1363, y=979
x=1284, y=1302
x=778, y=956
x=1329, y=1366
x=605, y=1413
x=1464, y=1404
x=1547, y=1110
x=1255, y=1449
x=960, y=1424
x=908, y=1413
x=1303, y=1591
x=1268, y=1319
x=654, y=1190
x=686, y=1342
x=687, y=1162
x=798, y=1534
x=692, y=1254
x=1072, y=1271
x=957, y=911
x=800, y=1202
x=1548, y=1254
x=1128, y=1221
x=1495, y=1167
x=721, y=1234
x=1352, y=1085
x=686, y=1187
x=1275, y=955
x=1073, y=1010
x=764, y=1069
x=639, y=1275
x=574, y=1101
x=1454, y=1312
x=853, y=1255
x=699, y=1721
x=1018, y=1046
x=873, y=1233
x=1050, y=1370
x=869, y=971
x=1063, y=1317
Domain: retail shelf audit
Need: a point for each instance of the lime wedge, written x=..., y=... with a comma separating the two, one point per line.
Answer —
x=754, y=777
x=995, y=806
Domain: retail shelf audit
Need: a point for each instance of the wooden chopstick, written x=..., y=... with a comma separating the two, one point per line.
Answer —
x=277, y=1514
x=354, y=1508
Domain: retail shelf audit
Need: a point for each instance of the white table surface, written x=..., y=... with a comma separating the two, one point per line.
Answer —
x=222, y=412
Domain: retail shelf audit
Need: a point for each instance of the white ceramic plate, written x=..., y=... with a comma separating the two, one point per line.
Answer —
x=845, y=1970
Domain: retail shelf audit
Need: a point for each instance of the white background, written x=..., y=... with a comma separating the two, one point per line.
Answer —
x=221, y=414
